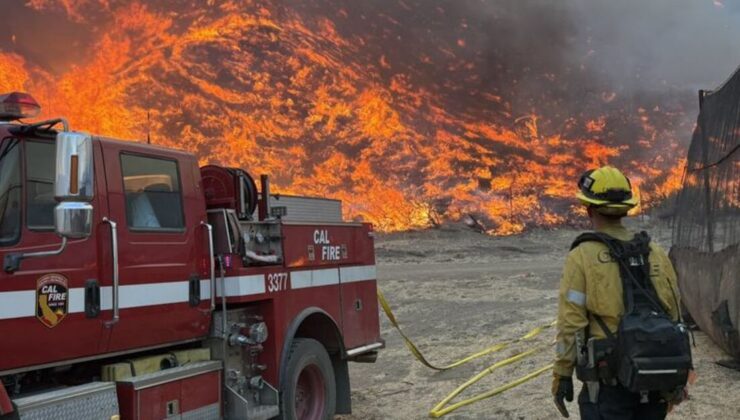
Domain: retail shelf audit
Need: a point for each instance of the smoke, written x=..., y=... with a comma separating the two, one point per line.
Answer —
x=48, y=39
x=552, y=57
x=658, y=44
x=573, y=48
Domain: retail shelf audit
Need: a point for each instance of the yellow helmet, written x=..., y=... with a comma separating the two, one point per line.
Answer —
x=606, y=189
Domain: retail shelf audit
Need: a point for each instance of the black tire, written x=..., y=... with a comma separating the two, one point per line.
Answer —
x=309, y=362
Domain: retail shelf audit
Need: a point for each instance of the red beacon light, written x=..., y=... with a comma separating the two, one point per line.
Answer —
x=17, y=105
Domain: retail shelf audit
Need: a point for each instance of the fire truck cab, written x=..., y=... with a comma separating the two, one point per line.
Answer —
x=137, y=285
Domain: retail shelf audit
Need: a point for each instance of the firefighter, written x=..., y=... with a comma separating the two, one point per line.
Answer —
x=591, y=286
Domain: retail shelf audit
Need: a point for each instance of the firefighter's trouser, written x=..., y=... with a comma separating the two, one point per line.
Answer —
x=617, y=403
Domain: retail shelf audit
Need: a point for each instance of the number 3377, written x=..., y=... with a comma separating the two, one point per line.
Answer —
x=277, y=282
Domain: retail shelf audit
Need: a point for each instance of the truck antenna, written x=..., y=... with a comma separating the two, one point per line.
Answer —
x=148, y=126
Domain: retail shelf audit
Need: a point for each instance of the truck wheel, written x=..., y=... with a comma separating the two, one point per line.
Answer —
x=309, y=390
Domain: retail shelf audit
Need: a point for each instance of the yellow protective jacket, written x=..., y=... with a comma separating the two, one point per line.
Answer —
x=591, y=284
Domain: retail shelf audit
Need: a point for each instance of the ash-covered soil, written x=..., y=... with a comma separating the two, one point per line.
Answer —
x=455, y=292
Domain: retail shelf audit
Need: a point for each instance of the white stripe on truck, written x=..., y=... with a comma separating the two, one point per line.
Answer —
x=241, y=286
x=358, y=273
x=17, y=304
x=20, y=304
x=313, y=278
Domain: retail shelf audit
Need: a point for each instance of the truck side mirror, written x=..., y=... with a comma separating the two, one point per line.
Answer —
x=73, y=219
x=74, y=177
x=74, y=186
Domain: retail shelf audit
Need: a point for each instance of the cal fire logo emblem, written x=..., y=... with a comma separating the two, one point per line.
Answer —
x=52, y=299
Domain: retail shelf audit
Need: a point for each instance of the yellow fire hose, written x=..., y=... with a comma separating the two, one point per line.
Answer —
x=442, y=407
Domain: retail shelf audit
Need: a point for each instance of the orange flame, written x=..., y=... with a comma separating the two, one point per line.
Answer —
x=275, y=91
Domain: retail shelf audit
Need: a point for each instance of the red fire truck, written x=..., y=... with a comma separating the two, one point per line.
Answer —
x=136, y=285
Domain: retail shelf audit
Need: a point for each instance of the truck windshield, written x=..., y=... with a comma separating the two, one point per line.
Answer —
x=40, y=167
x=10, y=192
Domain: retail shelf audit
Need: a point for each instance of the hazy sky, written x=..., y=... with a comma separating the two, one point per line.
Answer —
x=687, y=43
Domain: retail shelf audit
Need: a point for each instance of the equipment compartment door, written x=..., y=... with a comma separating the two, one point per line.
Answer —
x=154, y=199
x=359, y=305
x=360, y=323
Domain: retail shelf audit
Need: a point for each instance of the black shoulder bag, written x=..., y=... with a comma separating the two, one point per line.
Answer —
x=652, y=351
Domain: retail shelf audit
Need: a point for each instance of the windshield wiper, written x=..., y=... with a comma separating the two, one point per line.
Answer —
x=13, y=143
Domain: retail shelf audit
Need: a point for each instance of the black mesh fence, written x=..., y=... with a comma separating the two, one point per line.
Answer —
x=706, y=232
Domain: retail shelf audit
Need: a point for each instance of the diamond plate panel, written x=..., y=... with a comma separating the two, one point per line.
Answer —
x=95, y=401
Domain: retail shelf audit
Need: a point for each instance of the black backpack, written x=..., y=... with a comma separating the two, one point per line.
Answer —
x=651, y=351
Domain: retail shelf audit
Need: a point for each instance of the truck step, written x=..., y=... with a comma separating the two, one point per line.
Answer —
x=238, y=407
x=263, y=412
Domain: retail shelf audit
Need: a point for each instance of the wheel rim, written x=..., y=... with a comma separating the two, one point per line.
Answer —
x=310, y=394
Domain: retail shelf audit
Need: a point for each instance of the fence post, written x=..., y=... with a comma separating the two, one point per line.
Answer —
x=707, y=185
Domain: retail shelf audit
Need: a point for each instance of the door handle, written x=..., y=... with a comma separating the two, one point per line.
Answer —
x=211, y=264
x=194, y=290
x=114, y=249
x=92, y=298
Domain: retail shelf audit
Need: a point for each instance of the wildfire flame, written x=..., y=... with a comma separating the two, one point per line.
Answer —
x=331, y=101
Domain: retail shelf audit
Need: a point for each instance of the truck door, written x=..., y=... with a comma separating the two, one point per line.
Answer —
x=154, y=200
x=48, y=306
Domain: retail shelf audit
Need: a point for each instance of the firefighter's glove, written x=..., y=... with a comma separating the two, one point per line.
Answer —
x=562, y=390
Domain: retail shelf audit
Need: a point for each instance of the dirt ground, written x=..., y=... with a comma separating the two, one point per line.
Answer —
x=456, y=292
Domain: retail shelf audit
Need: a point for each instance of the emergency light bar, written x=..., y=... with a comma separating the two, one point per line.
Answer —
x=17, y=105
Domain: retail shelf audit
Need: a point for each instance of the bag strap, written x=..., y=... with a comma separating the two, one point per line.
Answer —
x=623, y=252
x=602, y=324
x=590, y=237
